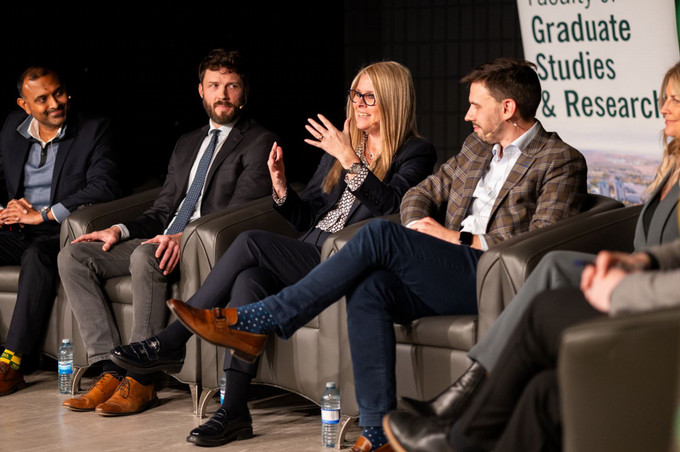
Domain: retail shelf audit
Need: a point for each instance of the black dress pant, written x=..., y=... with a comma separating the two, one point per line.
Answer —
x=517, y=408
x=35, y=249
x=256, y=265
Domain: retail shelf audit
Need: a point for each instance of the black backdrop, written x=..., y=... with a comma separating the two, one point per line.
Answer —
x=137, y=63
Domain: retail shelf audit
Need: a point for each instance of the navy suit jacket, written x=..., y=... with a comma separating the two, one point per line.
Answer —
x=238, y=174
x=85, y=171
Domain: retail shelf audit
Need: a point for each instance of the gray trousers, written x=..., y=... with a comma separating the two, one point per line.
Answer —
x=555, y=270
x=83, y=269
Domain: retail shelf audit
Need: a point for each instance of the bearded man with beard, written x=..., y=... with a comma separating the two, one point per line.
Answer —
x=219, y=165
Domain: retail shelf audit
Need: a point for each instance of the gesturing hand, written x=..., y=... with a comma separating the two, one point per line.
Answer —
x=332, y=140
x=276, y=170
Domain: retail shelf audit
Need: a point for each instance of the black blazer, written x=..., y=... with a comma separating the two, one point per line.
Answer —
x=238, y=174
x=85, y=171
x=412, y=163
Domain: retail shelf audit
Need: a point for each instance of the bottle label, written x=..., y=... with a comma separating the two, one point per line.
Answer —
x=65, y=368
x=330, y=416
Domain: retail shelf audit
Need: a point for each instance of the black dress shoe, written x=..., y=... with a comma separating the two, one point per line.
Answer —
x=219, y=430
x=147, y=356
x=449, y=404
x=410, y=432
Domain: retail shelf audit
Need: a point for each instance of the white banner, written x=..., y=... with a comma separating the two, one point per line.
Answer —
x=601, y=63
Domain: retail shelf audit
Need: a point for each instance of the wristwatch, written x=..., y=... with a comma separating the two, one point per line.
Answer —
x=43, y=214
x=465, y=238
x=355, y=168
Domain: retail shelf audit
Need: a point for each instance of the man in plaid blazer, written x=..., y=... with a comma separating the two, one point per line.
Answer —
x=511, y=176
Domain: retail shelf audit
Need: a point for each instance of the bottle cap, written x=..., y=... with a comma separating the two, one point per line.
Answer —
x=66, y=341
x=330, y=384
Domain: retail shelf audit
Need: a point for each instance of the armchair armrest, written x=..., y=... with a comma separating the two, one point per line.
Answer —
x=100, y=216
x=337, y=240
x=503, y=268
x=205, y=240
x=618, y=382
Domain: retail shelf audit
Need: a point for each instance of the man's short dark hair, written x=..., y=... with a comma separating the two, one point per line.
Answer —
x=508, y=78
x=34, y=73
x=232, y=60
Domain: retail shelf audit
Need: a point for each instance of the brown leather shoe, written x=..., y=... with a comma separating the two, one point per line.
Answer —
x=130, y=397
x=100, y=391
x=10, y=380
x=363, y=444
x=213, y=326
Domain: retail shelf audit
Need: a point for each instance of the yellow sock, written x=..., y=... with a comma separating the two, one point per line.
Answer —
x=11, y=358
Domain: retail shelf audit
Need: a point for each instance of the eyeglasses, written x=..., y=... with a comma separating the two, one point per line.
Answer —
x=368, y=98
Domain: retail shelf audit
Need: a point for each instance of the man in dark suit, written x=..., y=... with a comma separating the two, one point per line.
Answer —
x=52, y=162
x=222, y=164
x=511, y=176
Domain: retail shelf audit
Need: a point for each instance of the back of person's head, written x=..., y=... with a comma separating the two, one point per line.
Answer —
x=34, y=73
x=232, y=60
x=508, y=78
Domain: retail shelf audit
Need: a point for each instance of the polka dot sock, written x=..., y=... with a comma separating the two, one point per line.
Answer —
x=375, y=435
x=254, y=318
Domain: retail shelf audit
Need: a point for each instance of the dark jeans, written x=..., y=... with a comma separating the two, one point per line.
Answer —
x=518, y=406
x=389, y=274
x=36, y=251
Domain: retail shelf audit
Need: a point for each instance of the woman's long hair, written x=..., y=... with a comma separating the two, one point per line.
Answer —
x=396, y=101
x=671, y=151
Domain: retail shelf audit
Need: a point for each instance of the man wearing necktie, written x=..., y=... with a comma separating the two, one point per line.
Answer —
x=219, y=165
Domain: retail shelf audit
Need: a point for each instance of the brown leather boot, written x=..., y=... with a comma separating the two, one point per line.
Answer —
x=130, y=397
x=100, y=391
x=11, y=380
x=213, y=325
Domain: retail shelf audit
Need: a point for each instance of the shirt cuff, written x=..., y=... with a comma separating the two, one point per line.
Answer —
x=124, y=231
x=355, y=182
x=279, y=201
x=59, y=212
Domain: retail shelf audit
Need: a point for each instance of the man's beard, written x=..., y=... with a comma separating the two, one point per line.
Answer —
x=224, y=118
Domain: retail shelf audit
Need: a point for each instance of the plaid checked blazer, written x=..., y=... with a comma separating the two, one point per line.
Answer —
x=546, y=184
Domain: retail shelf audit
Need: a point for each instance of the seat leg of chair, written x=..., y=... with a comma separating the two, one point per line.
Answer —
x=206, y=395
x=345, y=423
x=78, y=373
x=194, y=388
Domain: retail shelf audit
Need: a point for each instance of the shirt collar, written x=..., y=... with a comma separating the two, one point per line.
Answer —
x=224, y=129
x=520, y=143
x=30, y=129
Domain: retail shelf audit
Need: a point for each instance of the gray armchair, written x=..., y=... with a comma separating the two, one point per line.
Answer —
x=619, y=381
x=431, y=352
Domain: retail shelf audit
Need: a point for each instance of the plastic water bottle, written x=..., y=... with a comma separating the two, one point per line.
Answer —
x=223, y=387
x=65, y=358
x=330, y=415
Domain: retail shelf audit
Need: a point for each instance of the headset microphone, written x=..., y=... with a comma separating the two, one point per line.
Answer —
x=487, y=135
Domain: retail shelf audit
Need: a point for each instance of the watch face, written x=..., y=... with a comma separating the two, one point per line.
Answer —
x=355, y=168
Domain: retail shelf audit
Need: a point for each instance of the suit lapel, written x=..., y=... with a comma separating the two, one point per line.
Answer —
x=475, y=171
x=642, y=237
x=62, y=152
x=664, y=211
x=521, y=167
